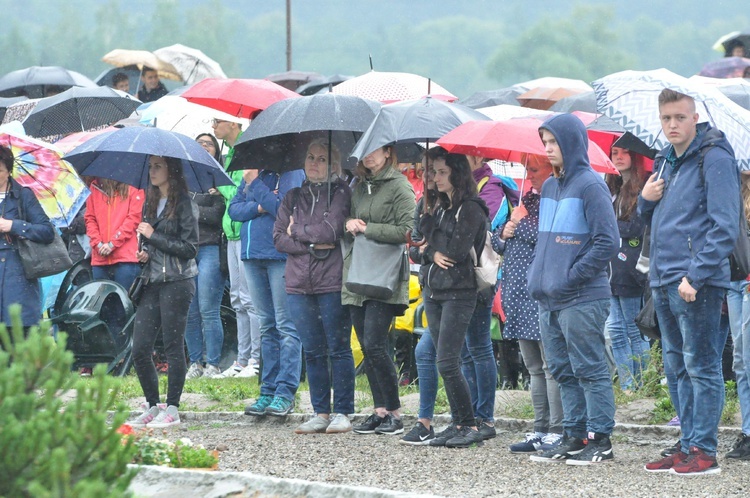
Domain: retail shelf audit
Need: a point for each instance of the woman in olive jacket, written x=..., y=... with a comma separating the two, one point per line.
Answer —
x=383, y=205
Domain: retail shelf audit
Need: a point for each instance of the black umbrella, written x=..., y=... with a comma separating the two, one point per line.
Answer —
x=493, y=97
x=8, y=101
x=78, y=109
x=38, y=81
x=585, y=102
x=132, y=72
x=316, y=85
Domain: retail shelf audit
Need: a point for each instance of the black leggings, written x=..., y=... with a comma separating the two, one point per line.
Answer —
x=372, y=322
x=163, y=305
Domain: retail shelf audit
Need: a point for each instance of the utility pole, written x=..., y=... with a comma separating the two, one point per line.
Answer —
x=288, y=35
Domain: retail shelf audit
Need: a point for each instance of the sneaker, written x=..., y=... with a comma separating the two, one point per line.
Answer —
x=390, y=426
x=443, y=436
x=550, y=441
x=165, y=418
x=233, y=370
x=465, y=437
x=486, y=429
x=195, y=371
x=741, y=448
x=259, y=407
x=675, y=422
x=315, y=425
x=251, y=370
x=86, y=372
x=369, y=425
x=598, y=450
x=696, y=464
x=419, y=435
x=211, y=372
x=280, y=407
x=532, y=444
x=666, y=463
x=144, y=418
x=339, y=424
x=676, y=448
x=568, y=447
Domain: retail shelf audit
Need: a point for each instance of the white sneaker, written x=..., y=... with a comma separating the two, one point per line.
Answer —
x=233, y=370
x=165, y=418
x=212, y=372
x=144, y=418
x=195, y=371
x=251, y=370
x=339, y=423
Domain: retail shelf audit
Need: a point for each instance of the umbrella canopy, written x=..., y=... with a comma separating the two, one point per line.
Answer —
x=78, y=109
x=387, y=87
x=405, y=124
x=123, y=155
x=192, y=64
x=490, y=98
x=73, y=140
x=174, y=113
x=509, y=141
x=503, y=112
x=6, y=102
x=728, y=67
x=584, y=101
x=631, y=99
x=316, y=85
x=40, y=166
x=291, y=80
x=19, y=110
x=726, y=43
x=278, y=138
x=545, y=97
x=238, y=97
x=132, y=72
x=37, y=81
x=554, y=82
x=142, y=58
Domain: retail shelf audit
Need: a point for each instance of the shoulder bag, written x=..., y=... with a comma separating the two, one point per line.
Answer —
x=377, y=268
x=488, y=263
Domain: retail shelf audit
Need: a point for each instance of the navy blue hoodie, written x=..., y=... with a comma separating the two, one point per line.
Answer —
x=696, y=222
x=577, y=226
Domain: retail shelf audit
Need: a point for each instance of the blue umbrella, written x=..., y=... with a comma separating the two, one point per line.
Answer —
x=123, y=155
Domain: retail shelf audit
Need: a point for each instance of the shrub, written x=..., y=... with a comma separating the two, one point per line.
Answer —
x=47, y=449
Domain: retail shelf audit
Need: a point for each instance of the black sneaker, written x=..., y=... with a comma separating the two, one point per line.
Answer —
x=419, y=435
x=569, y=447
x=676, y=448
x=444, y=435
x=598, y=450
x=486, y=429
x=465, y=437
x=741, y=448
x=390, y=425
x=369, y=425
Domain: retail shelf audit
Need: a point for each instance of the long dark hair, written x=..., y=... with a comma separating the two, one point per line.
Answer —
x=626, y=193
x=464, y=186
x=177, y=188
x=217, y=148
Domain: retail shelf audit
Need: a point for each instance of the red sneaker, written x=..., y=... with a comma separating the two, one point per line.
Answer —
x=697, y=463
x=86, y=372
x=666, y=464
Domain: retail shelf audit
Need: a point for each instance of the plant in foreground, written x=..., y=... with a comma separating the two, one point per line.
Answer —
x=151, y=450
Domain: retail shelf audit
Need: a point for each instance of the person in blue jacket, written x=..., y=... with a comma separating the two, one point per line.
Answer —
x=692, y=204
x=258, y=198
x=568, y=277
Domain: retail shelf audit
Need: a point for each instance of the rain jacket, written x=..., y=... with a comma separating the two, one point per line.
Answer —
x=113, y=220
x=386, y=203
x=231, y=228
x=267, y=190
x=211, y=209
x=695, y=224
x=625, y=280
x=152, y=95
x=491, y=190
x=314, y=223
x=577, y=227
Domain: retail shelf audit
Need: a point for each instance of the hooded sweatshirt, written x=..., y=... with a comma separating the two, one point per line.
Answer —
x=577, y=226
x=695, y=224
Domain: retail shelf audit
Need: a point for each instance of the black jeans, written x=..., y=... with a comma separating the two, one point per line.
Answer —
x=372, y=322
x=163, y=305
x=448, y=322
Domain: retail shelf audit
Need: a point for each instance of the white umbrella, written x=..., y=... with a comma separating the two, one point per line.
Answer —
x=631, y=99
x=503, y=112
x=192, y=64
x=174, y=113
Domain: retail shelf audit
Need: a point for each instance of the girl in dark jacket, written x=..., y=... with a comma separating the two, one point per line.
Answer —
x=169, y=232
x=308, y=230
x=450, y=292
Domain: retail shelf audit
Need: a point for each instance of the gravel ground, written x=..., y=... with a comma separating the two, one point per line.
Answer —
x=269, y=447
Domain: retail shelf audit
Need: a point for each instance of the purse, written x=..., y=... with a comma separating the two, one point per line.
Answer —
x=646, y=319
x=376, y=268
x=223, y=253
x=135, y=293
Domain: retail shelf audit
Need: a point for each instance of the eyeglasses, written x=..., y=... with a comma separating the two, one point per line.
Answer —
x=217, y=122
x=206, y=143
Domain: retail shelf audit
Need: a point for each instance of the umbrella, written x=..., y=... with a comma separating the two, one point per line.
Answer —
x=584, y=101
x=728, y=67
x=174, y=113
x=631, y=99
x=36, y=81
x=239, y=97
x=489, y=98
x=503, y=112
x=510, y=140
x=132, y=72
x=727, y=42
x=19, y=110
x=70, y=142
x=321, y=84
x=405, y=124
x=278, y=138
x=142, y=58
x=40, y=166
x=78, y=109
x=291, y=80
x=123, y=155
x=545, y=97
x=192, y=64
x=554, y=82
x=6, y=102
x=389, y=87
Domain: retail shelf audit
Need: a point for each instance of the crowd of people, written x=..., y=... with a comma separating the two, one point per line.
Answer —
x=570, y=276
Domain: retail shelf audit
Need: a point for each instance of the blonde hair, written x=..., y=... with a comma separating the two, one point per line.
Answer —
x=361, y=172
x=335, y=158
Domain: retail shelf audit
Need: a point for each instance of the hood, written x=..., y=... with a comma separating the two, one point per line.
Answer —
x=706, y=136
x=481, y=203
x=570, y=133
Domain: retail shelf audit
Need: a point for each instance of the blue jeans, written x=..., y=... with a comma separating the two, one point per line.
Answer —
x=478, y=363
x=122, y=273
x=693, y=343
x=425, y=357
x=204, y=330
x=738, y=302
x=573, y=340
x=280, y=346
x=325, y=328
x=630, y=349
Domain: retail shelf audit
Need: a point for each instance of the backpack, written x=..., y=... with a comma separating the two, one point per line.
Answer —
x=487, y=264
x=510, y=199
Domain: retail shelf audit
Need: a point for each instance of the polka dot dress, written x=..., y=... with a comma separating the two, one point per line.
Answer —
x=521, y=311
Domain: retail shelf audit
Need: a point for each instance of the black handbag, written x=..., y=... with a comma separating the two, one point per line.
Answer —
x=377, y=268
x=646, y=319
x=223, y=253
x=137, y=288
